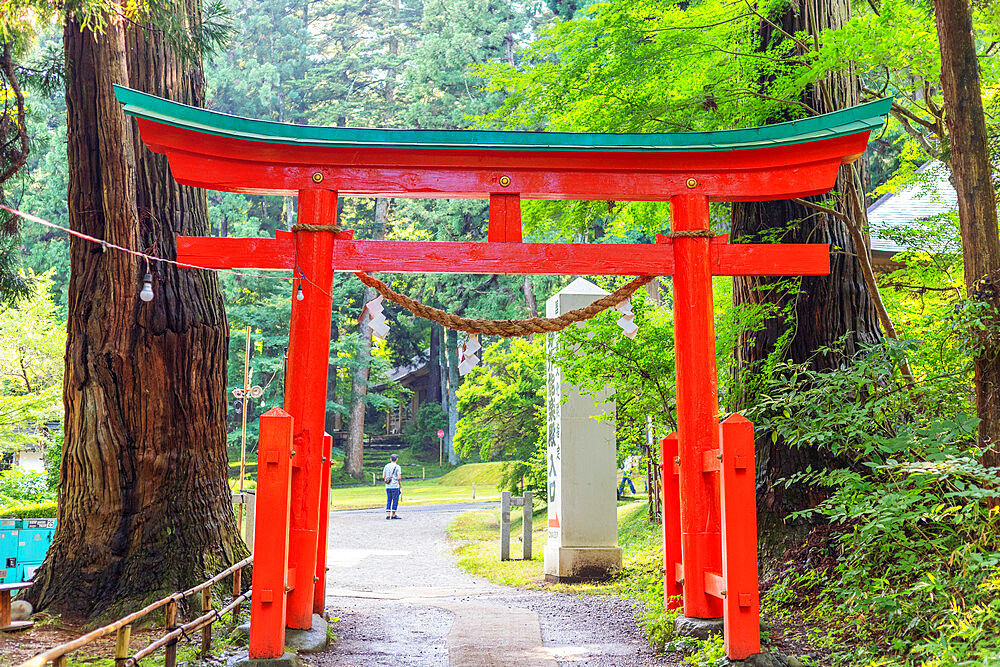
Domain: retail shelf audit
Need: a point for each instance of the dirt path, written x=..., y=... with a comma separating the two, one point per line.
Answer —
x=402, y=601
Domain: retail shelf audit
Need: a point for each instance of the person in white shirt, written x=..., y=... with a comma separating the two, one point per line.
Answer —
x=391, y=475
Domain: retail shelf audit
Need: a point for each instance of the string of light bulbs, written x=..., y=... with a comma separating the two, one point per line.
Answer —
x=146, y=293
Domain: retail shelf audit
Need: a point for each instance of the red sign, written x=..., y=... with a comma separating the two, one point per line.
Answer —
x=440, y=434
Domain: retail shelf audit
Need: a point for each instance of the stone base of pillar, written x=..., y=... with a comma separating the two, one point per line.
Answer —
x=573, y=564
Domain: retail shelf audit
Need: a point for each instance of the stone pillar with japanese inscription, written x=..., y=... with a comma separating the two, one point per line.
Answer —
x=582, y=473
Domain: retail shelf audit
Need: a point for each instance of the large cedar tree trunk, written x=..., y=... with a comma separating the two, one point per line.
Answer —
x=144, y=508
x=977, y=212
x=354, y=457
x=826, y=307
x=434, y=366
x=451, y=353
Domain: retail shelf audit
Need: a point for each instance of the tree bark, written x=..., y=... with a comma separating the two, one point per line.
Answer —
x=354, y=456
x=144, y=506
x=825, y=309
x=530, y=301
x=653, y=290
x=451, y=351
x=443, y=369
x=977, y=212
x=434, y=366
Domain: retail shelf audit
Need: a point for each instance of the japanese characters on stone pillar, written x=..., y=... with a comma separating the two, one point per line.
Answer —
x=582, y=512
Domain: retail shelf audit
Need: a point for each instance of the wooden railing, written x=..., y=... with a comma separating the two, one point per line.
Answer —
x=123, y=626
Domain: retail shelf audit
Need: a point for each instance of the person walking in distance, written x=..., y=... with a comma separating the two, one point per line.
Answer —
x=391, y=475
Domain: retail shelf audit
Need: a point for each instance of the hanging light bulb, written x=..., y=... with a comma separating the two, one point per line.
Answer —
x=299, y=295
x=147, y=288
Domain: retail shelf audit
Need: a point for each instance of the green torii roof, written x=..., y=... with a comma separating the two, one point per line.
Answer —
x=862, y=118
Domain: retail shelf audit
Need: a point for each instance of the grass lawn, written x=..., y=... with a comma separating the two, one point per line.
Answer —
x=455, y=487
x=414, y=466
x=476, y=536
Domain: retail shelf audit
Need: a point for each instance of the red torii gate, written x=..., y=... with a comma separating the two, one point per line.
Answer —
x=705, y=553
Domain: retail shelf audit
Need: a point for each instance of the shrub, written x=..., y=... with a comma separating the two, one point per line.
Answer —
x=29, y=511
x=915, y=545
x=19, y=486
x=532, y=472
x=421, y=433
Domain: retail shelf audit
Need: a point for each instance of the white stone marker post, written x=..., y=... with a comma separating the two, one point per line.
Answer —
x=582, y=472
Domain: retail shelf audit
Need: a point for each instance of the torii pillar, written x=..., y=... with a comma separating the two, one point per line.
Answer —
x=308, y=363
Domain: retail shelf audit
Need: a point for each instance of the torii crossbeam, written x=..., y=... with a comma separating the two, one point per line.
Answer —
x=320, y=164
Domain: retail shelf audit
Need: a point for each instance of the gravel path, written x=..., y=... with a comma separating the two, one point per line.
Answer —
x=402, y=601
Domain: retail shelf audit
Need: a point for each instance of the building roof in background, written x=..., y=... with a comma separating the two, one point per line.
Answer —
x=917, y=201
x=399, y=372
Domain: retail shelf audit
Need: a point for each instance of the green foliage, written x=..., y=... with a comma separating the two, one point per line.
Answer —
x=47, y=510
x=531, y=473
x=919, y=565
x=863, y=411
x=502, y=402
x=18, y=487
x=917, y=560
x=52, y=456
x=638, y=371
x=32, y=338
x=421, y=433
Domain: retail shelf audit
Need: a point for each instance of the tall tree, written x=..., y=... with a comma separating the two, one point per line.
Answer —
x=354, y=454
x=800, y=319
x=144, y=506
x=13, y=154
x=977, y=206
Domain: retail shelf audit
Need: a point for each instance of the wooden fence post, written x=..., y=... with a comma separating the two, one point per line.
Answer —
x=268, y=602
x=526, y=526
x=206, y=632
x=738, y=502
x=122, y=639
x=170, y=622
x=505, y=525
x=237, y=589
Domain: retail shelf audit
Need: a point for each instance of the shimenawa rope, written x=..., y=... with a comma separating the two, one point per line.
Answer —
x=505, y=328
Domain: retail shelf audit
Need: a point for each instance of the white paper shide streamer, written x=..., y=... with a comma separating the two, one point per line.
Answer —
x=627, y=320
x=467, y=358
x=373, y=311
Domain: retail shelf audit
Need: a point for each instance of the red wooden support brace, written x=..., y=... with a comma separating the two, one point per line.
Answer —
x=505, y=218
x=319, y=596
x=739, y=539
x=267, y=602
x=630, y=259
x=697, y=404
x=305, y=398
x=672, y=584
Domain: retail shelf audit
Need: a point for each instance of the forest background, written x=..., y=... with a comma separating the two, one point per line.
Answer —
x=863, y=393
